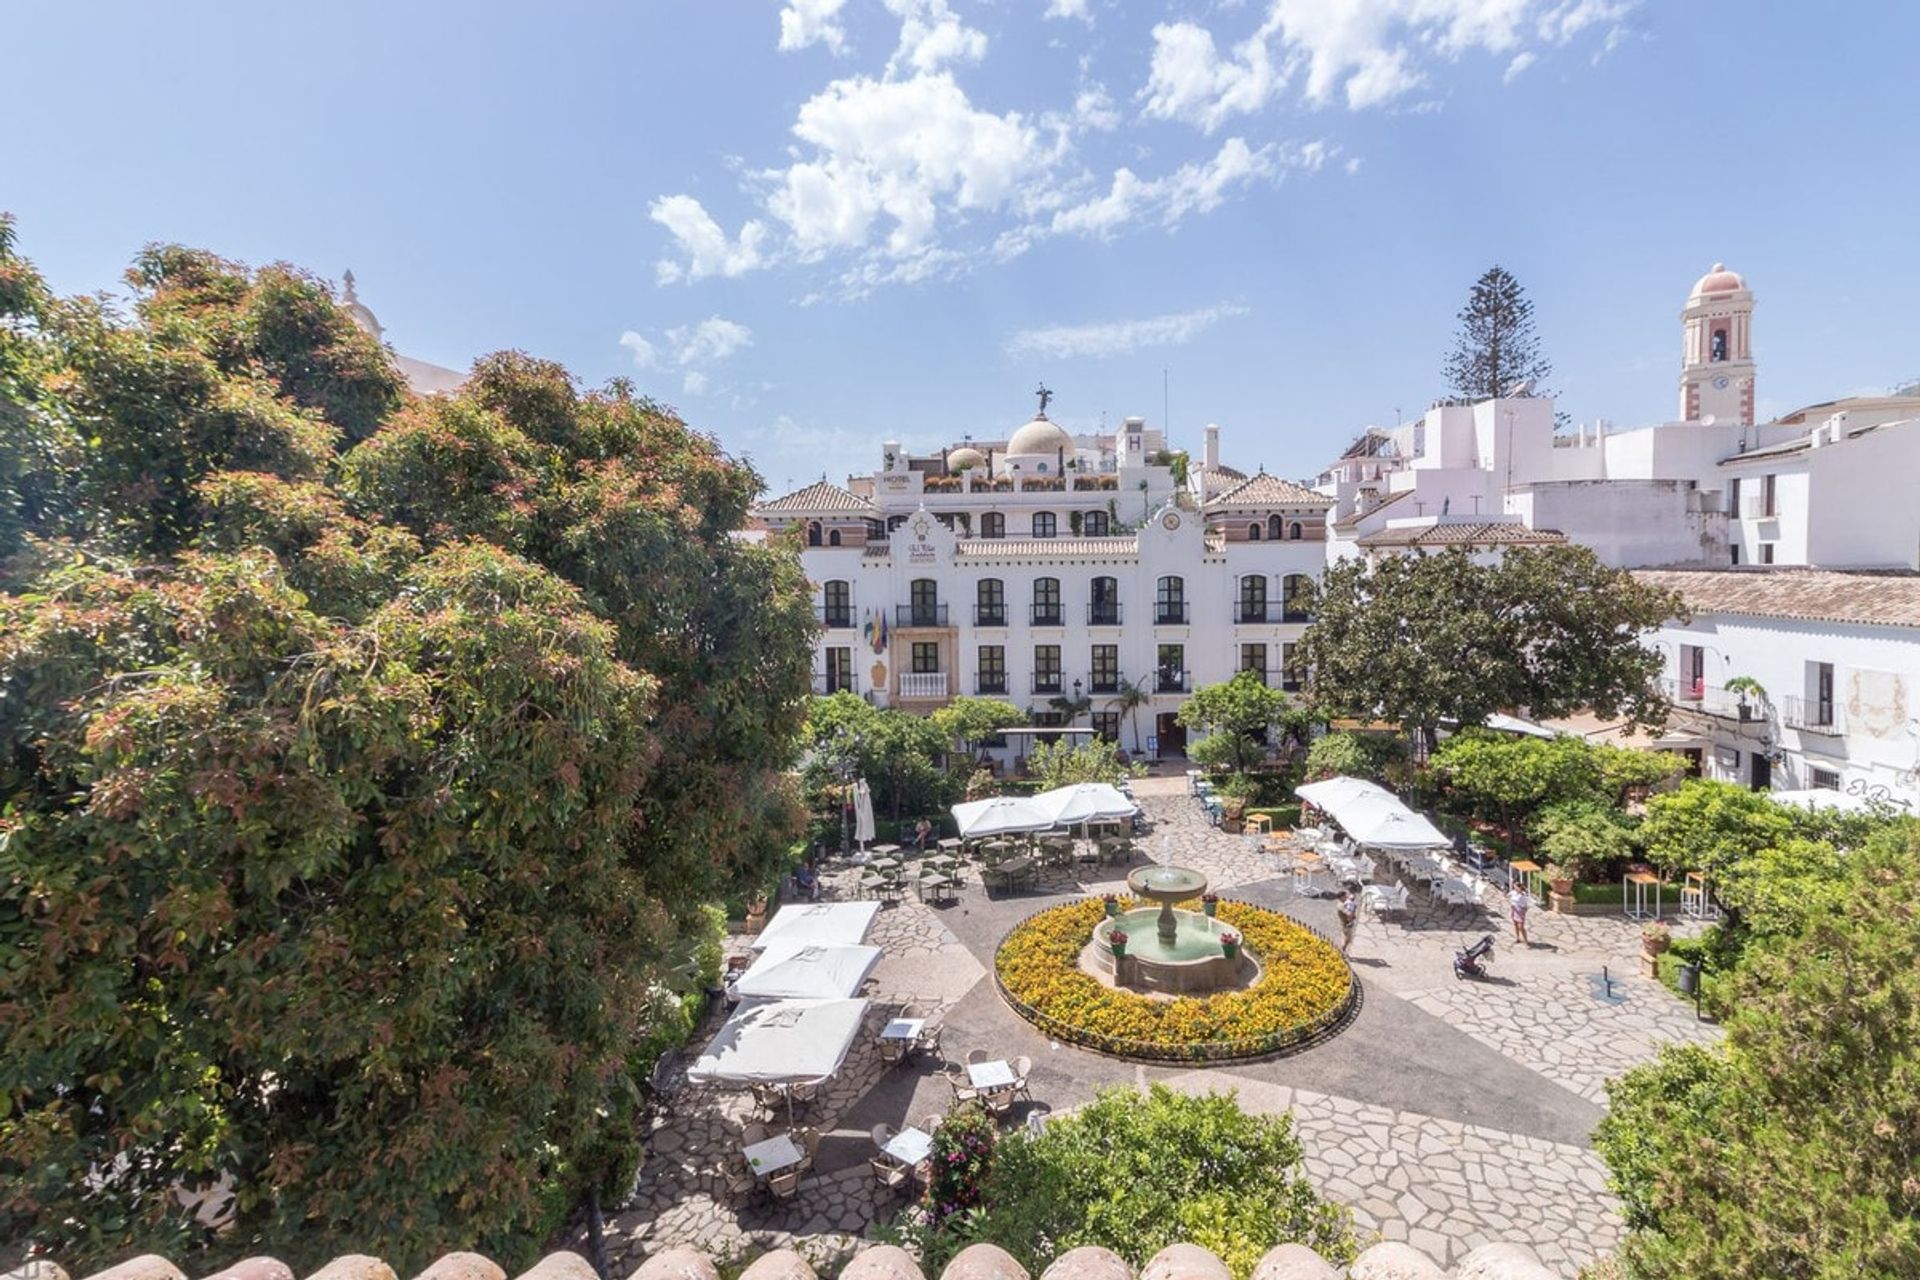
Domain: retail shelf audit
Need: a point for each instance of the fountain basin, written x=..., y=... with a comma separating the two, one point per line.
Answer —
x=1191, y=964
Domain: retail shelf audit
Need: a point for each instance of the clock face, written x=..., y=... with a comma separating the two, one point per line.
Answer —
x=1720, y=383
x=1170, y=520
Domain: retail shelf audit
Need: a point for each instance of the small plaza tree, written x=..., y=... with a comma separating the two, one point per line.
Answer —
x=1238, y=717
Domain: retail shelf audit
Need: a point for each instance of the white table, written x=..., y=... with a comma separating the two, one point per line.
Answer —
x=989, y=1075
x=910, y=1146
x=772, y=1155
x=903, y=1029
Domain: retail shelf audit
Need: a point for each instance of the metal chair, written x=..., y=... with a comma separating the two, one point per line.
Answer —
x=784, y=1185
x=882, y=1134
x=977, y=1056
x=890, y=1173
x=754, y=1132
x=1022, y=1067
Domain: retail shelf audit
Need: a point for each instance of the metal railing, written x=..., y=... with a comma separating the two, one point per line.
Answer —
x=1047, y=682
x=1170, y=614
x=1104, y=614
x=1698, y=695
x=990, y=615
x=1815, y=714
x=1168, y=681
x=1047, y=615
x=834, y=617
x=825, y=682
x=989, y=682
x=924, y=684
x=920, y=615
x=1105, y=682
x=1249, y=611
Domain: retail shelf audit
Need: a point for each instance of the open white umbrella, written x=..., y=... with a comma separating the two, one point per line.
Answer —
x=781, y=1042
x=1085, y=802
x=1388, y=824
x=1002, y=815
x=832, y=924
x=862, y=812
x=794, y=970
x=1331, y=794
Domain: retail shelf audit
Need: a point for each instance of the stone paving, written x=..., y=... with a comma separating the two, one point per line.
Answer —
x=1444, y=1161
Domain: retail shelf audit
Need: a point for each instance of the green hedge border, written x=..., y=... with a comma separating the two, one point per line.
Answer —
x=1280, y=1044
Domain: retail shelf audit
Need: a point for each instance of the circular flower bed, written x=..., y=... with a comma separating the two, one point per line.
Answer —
x=1305, y=987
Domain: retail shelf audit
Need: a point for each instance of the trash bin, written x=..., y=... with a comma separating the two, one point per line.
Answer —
x=1690, y=978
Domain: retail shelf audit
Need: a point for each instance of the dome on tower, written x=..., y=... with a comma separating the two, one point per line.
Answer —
x=1042, y=435
x=1718, y=280
x=965, y=458
x=361, y=313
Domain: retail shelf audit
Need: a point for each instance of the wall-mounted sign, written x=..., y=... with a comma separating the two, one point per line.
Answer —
x=896, y=481
x=921, y=553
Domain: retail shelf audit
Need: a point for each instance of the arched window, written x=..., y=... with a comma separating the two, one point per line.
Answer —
x=1170, y=601
x=836, y=604
x=1253, y=599
x=1044, y=524
x=833, y=537
x=1719, y=351
x=1275, y=530
x=1296, y=596
x=923, y=609
x=993, y=524
x=1253, y=532
x=1094, y=524
x=1046, y=602
x=1103, y=603
x=1293, y=531
x=990, y=603
x=813, y=533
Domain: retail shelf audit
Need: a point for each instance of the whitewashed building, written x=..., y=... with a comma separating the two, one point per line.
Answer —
x=1047, y=566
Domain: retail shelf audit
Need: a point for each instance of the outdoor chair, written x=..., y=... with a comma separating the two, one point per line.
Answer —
x=999, y=1101
x=808, y=1140
x=882, y=1134
x=1022, y=1066
x=890, y=1173
x=928, y=1041
x=754, y=1132
x=892, y=1051
x=738, y=1177
x=784, y=1185
x=977, y=1056
x=804, y=1090
x=963, y=1091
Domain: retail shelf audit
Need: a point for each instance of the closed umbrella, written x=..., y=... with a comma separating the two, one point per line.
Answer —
x=862, y=812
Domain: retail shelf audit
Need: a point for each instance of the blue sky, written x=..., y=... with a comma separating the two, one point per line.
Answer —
x=813, y=225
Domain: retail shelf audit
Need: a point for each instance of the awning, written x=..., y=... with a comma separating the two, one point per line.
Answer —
x=1002, y=815
x=807, y=971
x=1085, y=802
x=829, y=923
x=781, y=1042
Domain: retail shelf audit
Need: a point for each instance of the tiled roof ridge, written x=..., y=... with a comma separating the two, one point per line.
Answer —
x=1484, y=533
x=821, y=495
x=1882, y=597
x=1387, y=1260
x=1265, y=488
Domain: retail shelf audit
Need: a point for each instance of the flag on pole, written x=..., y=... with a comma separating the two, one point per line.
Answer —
x=881, y=645
x=866, y=628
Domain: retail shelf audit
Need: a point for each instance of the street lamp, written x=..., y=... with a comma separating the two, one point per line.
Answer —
x=843, y=768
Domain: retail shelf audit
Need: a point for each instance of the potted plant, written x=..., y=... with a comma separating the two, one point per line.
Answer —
x=1112, y=901
x=1210, y=903
x=1752, y=695
x=1118, y=940
x=1229, y=944
x=1656, y=938
x=1559, y=879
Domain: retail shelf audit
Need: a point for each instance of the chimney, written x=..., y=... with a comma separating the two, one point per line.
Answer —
x=1213, y=445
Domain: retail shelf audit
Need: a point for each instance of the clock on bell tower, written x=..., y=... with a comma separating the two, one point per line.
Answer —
x=1716, y=375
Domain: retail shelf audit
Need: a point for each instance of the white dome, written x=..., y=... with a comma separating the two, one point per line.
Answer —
x=1718, y=280
x=965, y=458
x=1041, y=436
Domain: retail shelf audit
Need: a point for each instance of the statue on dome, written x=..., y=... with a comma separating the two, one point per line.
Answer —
x=1045, y=395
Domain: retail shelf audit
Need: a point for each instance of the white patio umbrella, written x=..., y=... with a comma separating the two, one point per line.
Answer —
x=1332, y=793
x=793, y=970
x=862, y=812
x=833, y=924
x=781, y=1042
x=1002, y=815
x=1085, y=802
x=1388, y=824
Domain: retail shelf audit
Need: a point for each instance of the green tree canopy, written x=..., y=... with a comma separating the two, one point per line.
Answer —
x=897, y=752
x=970, y=721
x=367, y=761
x=1429, y=640
x=1496, y=347
x=1372, y=756
x=1063, y=762
x=1795, y=1150
x=1237, y=716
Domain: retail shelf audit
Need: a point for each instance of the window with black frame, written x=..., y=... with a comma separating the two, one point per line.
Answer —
x=1253, y=598
x=991, y=674
x=1170, y=601
x=1105, y=669
x=990, y=603
x=1046, y=602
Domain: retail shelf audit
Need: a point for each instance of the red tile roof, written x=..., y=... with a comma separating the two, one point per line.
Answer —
x=1888, y=599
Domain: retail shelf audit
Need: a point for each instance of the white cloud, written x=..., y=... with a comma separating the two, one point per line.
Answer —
x=1190, y=189
x=1070, y=9
x=643, y=353
x=1117, y=337
x=932, y=35
x=708, y=250
x=1353, y=165
x=1093, y=108
x=1521, y=61
x=694, y=384
x=808, y=22
x=709, y=342
x=1365, y=52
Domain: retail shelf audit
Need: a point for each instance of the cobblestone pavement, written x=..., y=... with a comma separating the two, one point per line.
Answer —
x=1445, y=1182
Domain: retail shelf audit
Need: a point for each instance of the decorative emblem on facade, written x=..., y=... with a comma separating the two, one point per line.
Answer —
x=1171, y=520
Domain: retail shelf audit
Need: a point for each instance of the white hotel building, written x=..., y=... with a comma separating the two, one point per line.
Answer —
x=1049, y=565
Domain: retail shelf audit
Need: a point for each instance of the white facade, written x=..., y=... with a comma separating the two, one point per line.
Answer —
x=1004, y=580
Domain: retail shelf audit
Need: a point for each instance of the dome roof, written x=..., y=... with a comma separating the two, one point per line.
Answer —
x=1042, y=435
x=964, y=458
x=1718, y=280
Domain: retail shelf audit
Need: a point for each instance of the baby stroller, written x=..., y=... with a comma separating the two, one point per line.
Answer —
x=1473, y=961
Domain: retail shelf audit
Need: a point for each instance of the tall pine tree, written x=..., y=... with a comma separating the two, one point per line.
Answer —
x=1496, y=348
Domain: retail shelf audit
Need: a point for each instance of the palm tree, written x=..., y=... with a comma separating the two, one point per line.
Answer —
x=1072, y=706
x=1133, y=695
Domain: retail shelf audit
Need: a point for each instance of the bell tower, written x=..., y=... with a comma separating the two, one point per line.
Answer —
x=1716, y=375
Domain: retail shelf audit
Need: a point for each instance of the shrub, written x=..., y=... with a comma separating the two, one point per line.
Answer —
x=1589, y=839
x=1136, y=1172
x=1357, y=755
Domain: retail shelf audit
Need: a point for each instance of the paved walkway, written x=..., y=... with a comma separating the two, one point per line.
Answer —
x=1448, y=1113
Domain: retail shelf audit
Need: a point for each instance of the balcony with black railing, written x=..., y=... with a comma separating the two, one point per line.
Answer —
x=985, y=682
x=834, y=617
x=1251, y=611
x=920, y=615
x=829, y=682
x=989, y=615
x=1811, y=715
x=1047, y=682
x=1103, y=613
x=1167, y=680
x=1169, y=614
x=1106, y=682
x=1047, y=615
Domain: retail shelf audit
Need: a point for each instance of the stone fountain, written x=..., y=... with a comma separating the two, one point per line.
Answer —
x=1177, y=952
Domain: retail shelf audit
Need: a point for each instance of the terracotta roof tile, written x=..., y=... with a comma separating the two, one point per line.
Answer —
x=1813, y=595
x=1353, y=521
x=1462, y=535
x=1264, y=490
x=820, y=496
x=1011, y=548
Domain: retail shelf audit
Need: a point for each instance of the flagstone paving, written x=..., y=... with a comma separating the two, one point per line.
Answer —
x=1448, y=1114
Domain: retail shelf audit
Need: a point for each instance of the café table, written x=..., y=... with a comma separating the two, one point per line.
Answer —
x=909, y=1146
x=772, y=1155
x=990, y=1077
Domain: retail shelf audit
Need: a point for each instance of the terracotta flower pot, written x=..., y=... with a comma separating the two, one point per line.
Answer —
x=1562, y=887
